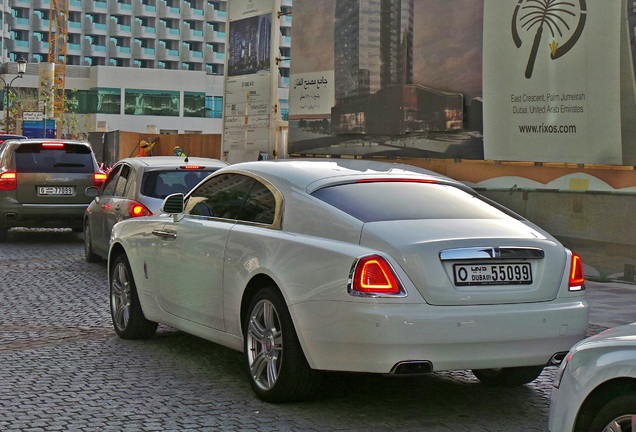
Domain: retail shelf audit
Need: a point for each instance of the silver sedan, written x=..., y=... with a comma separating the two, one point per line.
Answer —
x=136, y=187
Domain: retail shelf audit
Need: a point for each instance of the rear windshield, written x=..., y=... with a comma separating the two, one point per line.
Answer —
x=391, y=201
x=71, y=158
x=160, y=184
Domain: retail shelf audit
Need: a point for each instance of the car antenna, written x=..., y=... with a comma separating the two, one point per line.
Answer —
x=186, y=159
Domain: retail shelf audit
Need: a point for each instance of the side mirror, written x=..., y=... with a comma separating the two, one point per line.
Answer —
x=173, y=204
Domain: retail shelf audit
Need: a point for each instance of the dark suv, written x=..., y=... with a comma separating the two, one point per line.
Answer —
x=43, y=183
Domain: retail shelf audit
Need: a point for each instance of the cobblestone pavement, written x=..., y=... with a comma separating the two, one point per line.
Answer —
x=64, y=369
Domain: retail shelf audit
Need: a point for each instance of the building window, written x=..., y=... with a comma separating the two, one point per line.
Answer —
x=214, y=107
x=152, y=102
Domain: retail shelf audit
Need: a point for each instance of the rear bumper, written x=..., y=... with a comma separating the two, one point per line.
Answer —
x=372, y=337
x=42, y=215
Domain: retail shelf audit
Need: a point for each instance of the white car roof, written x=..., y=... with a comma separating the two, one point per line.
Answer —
x=311, y=174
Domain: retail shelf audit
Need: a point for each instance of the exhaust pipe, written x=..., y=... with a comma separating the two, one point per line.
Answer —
x=419, y=367
x=557, y=358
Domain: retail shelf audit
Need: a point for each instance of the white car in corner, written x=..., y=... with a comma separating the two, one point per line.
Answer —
x=320, y=265
x=595, y=390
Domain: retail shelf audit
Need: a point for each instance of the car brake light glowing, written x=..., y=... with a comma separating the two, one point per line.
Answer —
x=396, y=180
x=99, y=178
x=8, y=180
x=136, y=209
x=192, y=167
x=52, y=145
x=577, y=278
x=374, y=276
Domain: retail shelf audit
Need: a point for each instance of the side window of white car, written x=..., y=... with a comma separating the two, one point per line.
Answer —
x=233, y=196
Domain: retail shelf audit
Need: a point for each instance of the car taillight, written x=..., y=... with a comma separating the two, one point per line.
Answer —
x=136, y=209
x=577, y=279
x=373, y=276
x=8, y=180
x=192, y=167
x=99, y=178
x=52, y=145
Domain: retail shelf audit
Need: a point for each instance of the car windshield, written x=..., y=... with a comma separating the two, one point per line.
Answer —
x=160, y=184
x=390, y=201
x=31, y=158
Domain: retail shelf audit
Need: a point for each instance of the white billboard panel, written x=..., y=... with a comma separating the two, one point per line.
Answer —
x=551, y=81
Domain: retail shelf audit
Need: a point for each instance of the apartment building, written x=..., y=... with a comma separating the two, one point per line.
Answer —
x=135, y=65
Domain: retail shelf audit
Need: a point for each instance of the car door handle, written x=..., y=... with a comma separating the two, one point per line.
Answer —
x=168, y=235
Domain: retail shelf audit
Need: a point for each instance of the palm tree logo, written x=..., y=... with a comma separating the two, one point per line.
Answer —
x=564, y=20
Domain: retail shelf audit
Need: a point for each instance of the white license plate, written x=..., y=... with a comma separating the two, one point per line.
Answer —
x=492, y=274
x=55, y=190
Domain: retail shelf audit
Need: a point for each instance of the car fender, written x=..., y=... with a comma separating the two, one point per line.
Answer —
x=305, y=268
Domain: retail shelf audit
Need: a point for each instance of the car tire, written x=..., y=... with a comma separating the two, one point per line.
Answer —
x=128, y=318
x=508, y=377
x=88, y=245
x=276, y=365
x=619, y=412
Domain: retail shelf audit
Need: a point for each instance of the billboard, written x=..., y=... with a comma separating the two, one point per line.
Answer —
x=250, y=83
x=527, y=80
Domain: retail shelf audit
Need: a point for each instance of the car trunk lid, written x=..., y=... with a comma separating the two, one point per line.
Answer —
x=472, y=261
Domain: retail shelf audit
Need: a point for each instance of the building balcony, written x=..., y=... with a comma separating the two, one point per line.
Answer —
x=75, y=27
x=74, y=48
x=165, y=32
x=94, y=6
x=39, y=45
x=35, y=4
x=118, y=8
x=114, y=28
x=165, y=11
x=141, y=31
x=140, y=9
x=118, y=51
x=190, y=13
x=191, y=34
x=15, y=23
x=213, y=36
x=167, y=55
x=214, y=57
x=91, y=27
x=188, y=55
x=143, y=53
x=38, y=23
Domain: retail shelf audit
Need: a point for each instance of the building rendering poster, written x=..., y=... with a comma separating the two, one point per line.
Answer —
x=525, y=80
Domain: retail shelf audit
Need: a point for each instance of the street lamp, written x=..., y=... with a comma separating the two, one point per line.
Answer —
x=22, y=64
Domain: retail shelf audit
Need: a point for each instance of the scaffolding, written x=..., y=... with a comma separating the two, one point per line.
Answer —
x=58, y=36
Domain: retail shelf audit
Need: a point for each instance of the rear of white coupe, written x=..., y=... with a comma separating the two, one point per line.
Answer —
x=358, y=266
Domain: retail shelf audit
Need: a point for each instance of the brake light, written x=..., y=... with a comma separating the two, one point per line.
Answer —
x=52, y=145
x=577, y=278
x=396, y=180
x=136, y=209
x=373, y=276
x=99, y=178
x=8, y=180
x=192, y=167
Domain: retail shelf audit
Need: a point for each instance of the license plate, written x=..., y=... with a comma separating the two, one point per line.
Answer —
x=56, y=190
x=492, y=274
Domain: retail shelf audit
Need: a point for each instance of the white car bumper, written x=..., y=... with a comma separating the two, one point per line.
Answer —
x=375, y=337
